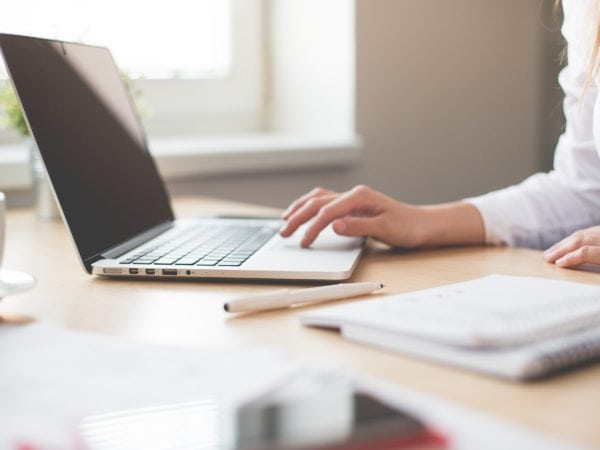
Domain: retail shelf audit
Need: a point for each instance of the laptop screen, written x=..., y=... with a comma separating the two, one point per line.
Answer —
x=90, y=139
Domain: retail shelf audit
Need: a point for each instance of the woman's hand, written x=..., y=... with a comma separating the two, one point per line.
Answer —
x=363, y=211
x=581, y=247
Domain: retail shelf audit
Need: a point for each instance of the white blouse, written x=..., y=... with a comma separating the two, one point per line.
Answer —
x=546, y=207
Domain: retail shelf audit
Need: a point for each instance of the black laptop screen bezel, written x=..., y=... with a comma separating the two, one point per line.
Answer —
x=90, y=139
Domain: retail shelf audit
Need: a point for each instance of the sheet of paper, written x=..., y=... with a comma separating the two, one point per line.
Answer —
x=51, y=379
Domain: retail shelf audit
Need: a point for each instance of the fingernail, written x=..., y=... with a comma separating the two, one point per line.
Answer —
x=283, y=229
x=341, y=226
x=559, y=261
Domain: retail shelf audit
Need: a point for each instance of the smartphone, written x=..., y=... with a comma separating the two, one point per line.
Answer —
x=367, y=423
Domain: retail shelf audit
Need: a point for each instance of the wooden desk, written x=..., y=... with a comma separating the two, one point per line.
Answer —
x=191, y=313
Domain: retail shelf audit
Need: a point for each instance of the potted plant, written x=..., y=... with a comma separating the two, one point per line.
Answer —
x=45, y=204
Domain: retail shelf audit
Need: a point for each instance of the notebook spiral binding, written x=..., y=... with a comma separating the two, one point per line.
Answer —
x=580, y=353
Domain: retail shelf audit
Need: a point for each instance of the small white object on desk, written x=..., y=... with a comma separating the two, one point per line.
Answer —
x=284, y=298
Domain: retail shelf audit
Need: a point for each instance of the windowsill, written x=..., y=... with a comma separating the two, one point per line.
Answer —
x=183, y=157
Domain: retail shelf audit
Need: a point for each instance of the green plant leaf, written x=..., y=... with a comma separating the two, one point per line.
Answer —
x=14, y=115
x=12, y=110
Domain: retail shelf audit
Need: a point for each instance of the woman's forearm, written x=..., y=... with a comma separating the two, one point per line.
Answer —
x=457, y=223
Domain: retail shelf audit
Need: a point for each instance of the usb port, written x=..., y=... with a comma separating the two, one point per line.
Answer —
x=150, y=271
x=169, y=271
x=134, y=271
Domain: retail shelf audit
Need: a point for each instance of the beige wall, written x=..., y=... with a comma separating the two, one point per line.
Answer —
x=453, y=99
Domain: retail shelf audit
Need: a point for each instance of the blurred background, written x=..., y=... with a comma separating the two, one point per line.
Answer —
x=260, y=100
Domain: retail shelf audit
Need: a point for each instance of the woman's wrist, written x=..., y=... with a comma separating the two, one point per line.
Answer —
x=457, y=223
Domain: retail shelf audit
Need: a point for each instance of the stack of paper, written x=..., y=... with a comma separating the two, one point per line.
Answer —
x=514, y=327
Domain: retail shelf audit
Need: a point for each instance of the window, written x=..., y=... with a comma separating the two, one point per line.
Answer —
x=144, y=40
x=197, y=62
x=228, y=85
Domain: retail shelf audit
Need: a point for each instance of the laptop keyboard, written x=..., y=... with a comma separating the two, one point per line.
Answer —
x=228, y=245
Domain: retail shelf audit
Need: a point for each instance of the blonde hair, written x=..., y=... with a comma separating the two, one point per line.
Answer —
x=593, y=61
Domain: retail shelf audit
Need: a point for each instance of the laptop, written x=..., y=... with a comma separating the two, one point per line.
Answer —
x=111, y=195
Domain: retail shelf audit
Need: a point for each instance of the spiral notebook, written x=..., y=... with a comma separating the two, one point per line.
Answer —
x=507, y=326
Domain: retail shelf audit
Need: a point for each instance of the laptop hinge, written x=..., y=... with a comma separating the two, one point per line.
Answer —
x=124, y=247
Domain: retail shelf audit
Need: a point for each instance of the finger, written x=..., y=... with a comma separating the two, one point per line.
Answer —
x=344, y=205
x=306, y=212
x=589, y=236
x=585, y=254
x=316, y=192
x=567, y=245
x=357, y=226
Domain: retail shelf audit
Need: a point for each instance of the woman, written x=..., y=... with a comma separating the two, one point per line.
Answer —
x=556, y=209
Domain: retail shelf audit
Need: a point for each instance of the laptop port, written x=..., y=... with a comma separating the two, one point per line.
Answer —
x=169, y=271
x=134, y=271
x=150, y=271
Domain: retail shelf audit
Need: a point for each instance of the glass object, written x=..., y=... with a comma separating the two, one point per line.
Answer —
x=11, y=281
x=43, y=198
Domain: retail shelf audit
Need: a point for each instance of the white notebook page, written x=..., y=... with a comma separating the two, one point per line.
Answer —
x=493, y=311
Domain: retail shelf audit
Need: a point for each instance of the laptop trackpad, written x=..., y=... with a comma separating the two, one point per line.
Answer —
x=330, y=252
x=327, y=241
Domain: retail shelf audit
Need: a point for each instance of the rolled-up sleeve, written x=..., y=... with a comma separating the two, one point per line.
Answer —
x=546, y=207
